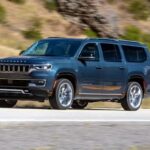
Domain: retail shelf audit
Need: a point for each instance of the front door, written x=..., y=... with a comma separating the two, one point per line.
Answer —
x=89, y=71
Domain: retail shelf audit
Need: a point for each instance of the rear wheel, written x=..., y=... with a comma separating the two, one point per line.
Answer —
x=7, y=103
x=133, y=98
x=63, y=95
x=79, y=104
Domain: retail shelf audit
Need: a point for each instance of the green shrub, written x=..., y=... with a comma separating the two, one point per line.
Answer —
x=132, y=33
x=135, y=34
x=139, y=8
x=50, y=5
x=146, y=39
x=36, y=23
x=111, y=1
x=2, y=14
x=17, y=1
x=32, y=34
x=90, y=33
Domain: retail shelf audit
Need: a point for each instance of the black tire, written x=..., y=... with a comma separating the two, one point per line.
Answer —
x=64, y=95
x=7, y=103
x=129, y=102
x=77, y=104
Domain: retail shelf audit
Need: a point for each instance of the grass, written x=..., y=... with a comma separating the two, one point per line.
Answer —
x=111, y=1
x=109, y=105
x=139, y=9
x=2, y=14
x=5, y=51
x=90, y=33
x=34, y=31
x=20, y=18
x=31, y=104
x=143, y=147
x=17, y=1
x=50, y=5
x=134, y=33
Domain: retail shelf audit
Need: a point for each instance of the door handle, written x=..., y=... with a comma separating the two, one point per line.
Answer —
x=98, y=67
x=121, y=68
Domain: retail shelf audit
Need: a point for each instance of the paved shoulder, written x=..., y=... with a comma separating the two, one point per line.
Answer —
x=17, y=114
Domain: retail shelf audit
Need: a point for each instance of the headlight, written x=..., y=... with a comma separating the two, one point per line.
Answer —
x=41, y=67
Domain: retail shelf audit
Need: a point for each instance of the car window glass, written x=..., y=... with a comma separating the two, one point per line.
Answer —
x=90, y=50
x=134, y=54
x=41, y=49
x=111, y=52
x=58, y=47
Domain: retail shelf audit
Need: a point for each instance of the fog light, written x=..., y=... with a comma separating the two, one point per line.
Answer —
x=37, y=83
x=32, y=85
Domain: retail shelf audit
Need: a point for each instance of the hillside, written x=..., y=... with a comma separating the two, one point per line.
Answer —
x=21, y=17
x=7, y=51
x=24, y=21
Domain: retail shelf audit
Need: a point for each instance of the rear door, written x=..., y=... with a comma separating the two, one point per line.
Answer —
x=114, y=71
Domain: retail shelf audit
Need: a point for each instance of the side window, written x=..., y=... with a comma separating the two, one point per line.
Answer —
x=134, y=54
x=111, y=52
x=90, y=50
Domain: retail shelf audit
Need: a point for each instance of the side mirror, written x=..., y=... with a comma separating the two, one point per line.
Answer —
x=21, y=52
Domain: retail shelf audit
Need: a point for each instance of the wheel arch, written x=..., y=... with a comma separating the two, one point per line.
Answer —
x=139, y=79
x=67, y=75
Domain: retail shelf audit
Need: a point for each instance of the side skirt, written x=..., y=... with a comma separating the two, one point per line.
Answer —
x=98, y=97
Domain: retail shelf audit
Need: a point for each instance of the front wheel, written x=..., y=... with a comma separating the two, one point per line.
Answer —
x=63, y=95
x=133, y=98
x=7, y=103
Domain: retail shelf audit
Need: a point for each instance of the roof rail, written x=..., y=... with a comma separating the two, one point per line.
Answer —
x=114, y=39
x=110, y=39
x=55, y=37
x=137, y=42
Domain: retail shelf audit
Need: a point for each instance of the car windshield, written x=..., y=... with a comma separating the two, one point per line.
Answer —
x=53, y=47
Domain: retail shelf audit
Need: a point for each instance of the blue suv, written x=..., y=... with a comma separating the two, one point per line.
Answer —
x=71, y=73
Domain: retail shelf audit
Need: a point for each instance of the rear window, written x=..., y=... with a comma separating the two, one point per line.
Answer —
x=134, y=54
x=111, y=52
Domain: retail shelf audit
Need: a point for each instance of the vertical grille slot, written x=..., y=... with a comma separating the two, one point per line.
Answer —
x=6, y=68
x=11, y=68
x=26, y=68
x=14, y=68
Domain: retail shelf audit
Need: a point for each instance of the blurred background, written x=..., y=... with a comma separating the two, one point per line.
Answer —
x=24, y=21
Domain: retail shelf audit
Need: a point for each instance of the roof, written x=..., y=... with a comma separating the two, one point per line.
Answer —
x=120, y=41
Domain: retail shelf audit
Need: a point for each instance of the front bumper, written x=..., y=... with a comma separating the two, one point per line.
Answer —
x=22, y=94
x=33, y=86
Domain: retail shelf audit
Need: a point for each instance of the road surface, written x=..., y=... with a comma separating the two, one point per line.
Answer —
x=74, y=136
x=103, y=115
x=45, y=129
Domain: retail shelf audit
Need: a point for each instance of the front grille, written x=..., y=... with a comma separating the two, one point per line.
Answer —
x=14, y=68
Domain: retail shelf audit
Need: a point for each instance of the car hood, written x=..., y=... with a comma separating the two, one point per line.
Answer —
x=33, y=60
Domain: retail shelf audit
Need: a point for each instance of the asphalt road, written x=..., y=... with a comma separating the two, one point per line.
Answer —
x=46, y=129
x=102, y=115
x=74, y=136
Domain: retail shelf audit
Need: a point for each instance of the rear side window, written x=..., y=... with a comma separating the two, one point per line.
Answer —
x=134, y=54
x=111, y=52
